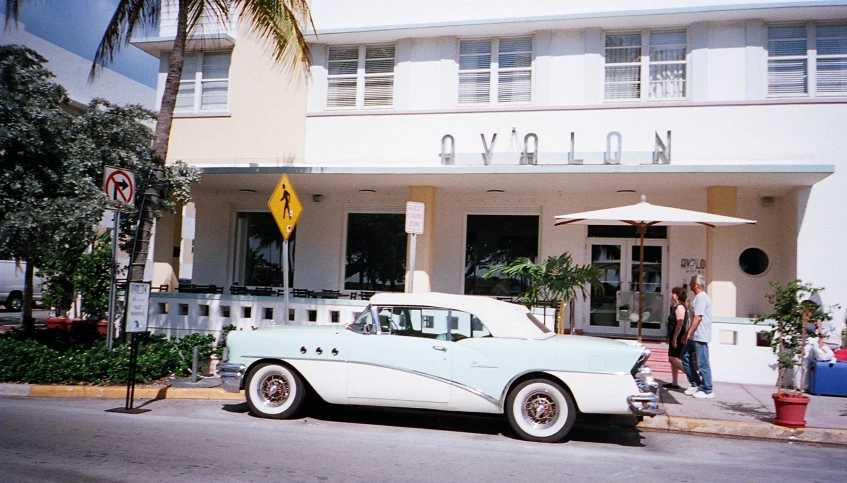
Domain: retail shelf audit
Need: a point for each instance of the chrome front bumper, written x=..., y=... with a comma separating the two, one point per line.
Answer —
x=646, y=402
x=231, y=375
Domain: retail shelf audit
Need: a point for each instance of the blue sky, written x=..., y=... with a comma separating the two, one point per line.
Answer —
x=78, y=26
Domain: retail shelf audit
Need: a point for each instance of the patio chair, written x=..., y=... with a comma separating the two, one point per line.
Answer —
x=238, y=290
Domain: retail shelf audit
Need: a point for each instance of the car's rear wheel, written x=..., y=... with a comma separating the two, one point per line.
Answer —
x=14, y=303
x=540, y=410
x=274, y=391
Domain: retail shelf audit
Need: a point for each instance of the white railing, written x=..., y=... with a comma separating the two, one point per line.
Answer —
x=178, y=314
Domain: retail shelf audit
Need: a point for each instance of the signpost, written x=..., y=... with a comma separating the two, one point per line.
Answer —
x=286, y=209
x=119, y=187
x=414, y=226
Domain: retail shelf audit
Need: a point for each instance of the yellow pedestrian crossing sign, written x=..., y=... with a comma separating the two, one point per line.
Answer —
x=285, y=206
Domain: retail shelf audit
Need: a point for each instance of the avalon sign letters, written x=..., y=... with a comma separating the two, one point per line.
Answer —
x=529, y=154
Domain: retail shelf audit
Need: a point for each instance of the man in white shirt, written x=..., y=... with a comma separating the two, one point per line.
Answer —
x=696, y=341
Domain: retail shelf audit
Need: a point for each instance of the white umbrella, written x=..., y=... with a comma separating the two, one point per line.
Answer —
x=641, y=215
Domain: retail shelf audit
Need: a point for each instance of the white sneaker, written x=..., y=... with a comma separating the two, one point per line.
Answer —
x=704, y=395
x=691, y=390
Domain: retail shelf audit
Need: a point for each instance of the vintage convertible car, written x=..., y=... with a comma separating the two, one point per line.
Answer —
x=443, y=352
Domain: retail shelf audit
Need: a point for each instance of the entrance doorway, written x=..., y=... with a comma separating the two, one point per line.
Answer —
x=615, y=310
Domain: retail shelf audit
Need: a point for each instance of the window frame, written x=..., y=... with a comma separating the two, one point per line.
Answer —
x=810, y=56
x=362, y=76
x=494, y=70
x=645, y=63
x=199, y=80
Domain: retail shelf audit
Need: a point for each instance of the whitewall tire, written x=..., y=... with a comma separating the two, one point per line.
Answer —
x=274, y=391
x=540, y=410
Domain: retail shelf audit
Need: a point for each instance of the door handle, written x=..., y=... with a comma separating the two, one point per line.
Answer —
x=439, y=348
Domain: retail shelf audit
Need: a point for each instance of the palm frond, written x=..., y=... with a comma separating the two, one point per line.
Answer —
x=280, y=22
x=129, y=16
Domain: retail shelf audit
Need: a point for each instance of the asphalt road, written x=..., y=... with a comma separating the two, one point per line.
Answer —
x=75, y=440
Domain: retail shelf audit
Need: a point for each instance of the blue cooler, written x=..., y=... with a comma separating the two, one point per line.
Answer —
x=828, y=381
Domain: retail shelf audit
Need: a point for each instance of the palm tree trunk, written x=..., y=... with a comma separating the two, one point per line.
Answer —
x=158, y=186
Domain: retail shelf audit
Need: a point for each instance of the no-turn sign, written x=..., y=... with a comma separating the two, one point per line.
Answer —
x=119, y=185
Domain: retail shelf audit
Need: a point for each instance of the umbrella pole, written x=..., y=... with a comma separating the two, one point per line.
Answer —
x=641, y=229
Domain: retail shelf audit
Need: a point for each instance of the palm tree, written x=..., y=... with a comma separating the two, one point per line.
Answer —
x=277, y=21
x=556, y=279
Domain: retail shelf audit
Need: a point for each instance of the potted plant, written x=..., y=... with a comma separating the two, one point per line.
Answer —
x=787, y=333
x=557, y=279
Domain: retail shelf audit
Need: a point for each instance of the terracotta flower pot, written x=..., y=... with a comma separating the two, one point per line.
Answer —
x=790, y=410
x=61, y=323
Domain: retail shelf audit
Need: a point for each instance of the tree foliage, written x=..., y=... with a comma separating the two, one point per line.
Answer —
x=787, y=323
x=556, y=279
x=51, y=193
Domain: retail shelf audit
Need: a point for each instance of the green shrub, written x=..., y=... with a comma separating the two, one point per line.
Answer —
x=80, y=356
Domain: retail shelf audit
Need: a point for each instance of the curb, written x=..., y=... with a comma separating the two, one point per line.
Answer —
x=118, y=392
x=744, y=430
x=658, y=423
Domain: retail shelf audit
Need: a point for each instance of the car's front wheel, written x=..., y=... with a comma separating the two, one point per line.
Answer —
x=274, y=391
x=540, y=410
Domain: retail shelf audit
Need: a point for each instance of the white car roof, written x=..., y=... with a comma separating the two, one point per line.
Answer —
x=502, y=319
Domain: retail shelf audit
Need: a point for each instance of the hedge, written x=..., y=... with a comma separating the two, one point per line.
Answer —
x=54, y=356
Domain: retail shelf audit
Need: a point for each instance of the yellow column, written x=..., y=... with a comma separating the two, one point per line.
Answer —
x=425, y=241
x=721, y=251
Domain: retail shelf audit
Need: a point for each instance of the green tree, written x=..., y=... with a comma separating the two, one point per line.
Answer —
x=53, y=163
x=276, y=21
x=556, y=279
x=34, y=144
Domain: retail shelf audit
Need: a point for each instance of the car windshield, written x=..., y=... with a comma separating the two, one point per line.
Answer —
x=364, y=323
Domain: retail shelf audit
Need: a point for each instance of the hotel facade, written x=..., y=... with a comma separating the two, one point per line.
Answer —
x=498, y=116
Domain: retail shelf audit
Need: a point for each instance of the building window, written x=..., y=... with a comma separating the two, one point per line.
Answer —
x=259, y=254
x=204, y=85
x=360, y=76
x=659, y=56
x=376, y=252
x=807, y=60
x=493, y=240
x=498, y=69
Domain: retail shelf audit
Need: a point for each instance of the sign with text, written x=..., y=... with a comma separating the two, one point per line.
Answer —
x=119, y=185
x=415, y=217
x=137, y=306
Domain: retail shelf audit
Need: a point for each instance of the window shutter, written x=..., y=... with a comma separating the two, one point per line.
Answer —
x=667, y=64
x=185, y=95
x=215, y=85
x=379, y=76
x=342, y=68
x=623, y=66
x=831, y=45
x=514, y=75
x=474, y=71
x=787, y=60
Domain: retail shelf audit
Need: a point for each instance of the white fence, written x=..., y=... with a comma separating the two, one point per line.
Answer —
x=183, y=313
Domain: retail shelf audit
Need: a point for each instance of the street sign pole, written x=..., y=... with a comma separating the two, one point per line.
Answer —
x=413, y=250
x=110, y=330
x=285, y=315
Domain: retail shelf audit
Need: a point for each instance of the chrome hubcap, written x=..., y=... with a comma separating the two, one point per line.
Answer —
x=540, y=409
x=274, y=389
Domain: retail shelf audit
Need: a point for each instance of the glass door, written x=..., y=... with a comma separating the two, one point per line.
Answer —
x=614, y=310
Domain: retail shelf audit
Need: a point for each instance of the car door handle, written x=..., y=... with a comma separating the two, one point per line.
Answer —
x=439, y=348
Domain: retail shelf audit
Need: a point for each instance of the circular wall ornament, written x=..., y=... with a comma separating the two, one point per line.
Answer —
x=754, y=261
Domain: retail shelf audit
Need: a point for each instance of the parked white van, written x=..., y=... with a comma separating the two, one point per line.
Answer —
x=12, y=285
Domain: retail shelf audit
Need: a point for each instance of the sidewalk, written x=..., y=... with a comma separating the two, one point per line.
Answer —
x=738, y=410
x=746, y=410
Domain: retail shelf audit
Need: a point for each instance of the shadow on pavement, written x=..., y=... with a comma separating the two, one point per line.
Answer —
x=748, y=410
x=589, y=429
